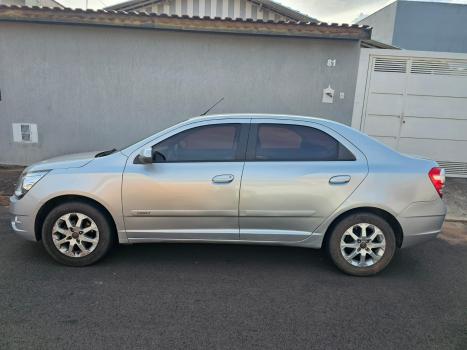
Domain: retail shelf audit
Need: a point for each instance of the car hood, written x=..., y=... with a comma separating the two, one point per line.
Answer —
x=63, y=162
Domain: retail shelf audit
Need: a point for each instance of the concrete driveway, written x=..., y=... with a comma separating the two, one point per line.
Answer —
x=168, y=296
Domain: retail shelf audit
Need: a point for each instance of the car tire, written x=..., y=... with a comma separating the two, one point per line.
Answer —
x=77, y=234
x=351, y=250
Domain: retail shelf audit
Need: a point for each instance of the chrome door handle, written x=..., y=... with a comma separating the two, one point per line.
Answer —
x=223, y=179
x=339, y=179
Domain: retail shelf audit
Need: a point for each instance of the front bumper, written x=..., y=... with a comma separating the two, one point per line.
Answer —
x=22, y=224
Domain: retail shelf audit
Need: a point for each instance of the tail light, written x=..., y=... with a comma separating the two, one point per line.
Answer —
x=438, y=178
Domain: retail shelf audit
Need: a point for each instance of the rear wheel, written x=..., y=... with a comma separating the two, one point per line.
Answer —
x=362, y=244
x=76, y=234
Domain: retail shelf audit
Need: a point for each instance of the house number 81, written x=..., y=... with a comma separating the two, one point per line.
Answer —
x=331, y=62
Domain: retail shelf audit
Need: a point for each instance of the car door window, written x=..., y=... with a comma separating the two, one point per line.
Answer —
x=210, y=143
x=287, y=142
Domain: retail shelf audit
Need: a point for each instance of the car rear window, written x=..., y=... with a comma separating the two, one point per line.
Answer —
x=286, y=142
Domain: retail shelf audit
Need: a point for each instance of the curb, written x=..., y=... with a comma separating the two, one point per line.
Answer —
x=456, y=219
x=4, y=201
x=11, y=167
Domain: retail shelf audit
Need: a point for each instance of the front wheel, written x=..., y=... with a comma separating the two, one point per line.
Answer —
x=362, y=244
x=76, y=234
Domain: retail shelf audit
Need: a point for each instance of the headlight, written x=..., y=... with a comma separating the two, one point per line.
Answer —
x=27, y=180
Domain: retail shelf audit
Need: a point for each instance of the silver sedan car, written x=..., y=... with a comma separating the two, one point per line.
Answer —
x=260, y=179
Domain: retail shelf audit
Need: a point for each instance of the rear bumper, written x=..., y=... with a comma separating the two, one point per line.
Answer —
x=419, y=233
x=421, y=222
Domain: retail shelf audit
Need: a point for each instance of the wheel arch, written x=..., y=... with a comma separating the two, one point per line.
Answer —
x=53, y=202
x=391, y=219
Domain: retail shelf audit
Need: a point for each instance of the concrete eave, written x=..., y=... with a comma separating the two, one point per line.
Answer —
x=373, y=44
x=145, y=20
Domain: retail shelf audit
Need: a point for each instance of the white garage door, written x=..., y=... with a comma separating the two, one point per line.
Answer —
x=418, y=105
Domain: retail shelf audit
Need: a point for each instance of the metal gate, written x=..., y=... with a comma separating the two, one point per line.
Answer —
x=416, y=104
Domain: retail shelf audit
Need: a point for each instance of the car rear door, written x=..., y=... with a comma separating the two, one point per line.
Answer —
x=296, y=174
x=191, y=190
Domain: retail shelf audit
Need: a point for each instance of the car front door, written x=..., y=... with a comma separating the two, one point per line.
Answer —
x=296, y=174
x=191, y=190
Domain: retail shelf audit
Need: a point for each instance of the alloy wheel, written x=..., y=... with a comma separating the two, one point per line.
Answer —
x=363, y=245
x=75, y=235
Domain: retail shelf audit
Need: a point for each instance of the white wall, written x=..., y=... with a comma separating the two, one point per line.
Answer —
x=382, y=22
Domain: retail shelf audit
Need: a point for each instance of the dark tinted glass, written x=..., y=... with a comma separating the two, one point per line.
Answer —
x=212, y=143
x=295, y=142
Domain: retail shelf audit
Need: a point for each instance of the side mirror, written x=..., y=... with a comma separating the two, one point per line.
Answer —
x=145, y=155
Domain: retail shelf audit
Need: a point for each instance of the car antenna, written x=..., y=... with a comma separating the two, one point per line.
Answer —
x=214, y=105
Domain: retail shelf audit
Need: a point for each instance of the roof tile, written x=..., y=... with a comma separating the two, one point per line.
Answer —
x=185, y=22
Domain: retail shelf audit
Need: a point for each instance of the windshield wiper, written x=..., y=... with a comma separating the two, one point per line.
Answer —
x=105, y=153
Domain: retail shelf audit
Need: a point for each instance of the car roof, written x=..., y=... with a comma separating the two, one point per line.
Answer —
x=326, y=122
x=259, y=115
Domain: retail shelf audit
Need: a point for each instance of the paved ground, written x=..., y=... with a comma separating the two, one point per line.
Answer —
x=232, y=297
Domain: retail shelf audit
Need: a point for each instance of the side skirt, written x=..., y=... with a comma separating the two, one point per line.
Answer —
x=313, y=241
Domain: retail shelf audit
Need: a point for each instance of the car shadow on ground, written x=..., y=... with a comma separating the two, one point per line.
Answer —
x=224, y=259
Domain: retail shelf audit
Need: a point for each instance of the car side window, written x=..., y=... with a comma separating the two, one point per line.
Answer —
x=209, y=143
x=287, y=142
